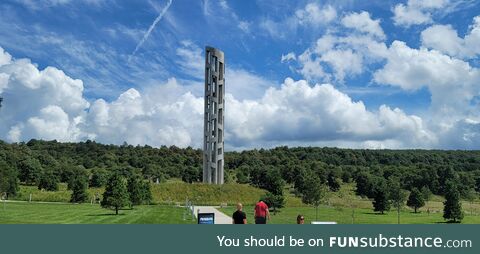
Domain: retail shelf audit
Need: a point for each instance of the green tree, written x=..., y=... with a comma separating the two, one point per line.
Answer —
x=381, y=202
x=274, y=182
x=30, y=171
x=274, y=201
x=427, y=195
x=79, y=188
x=452, y=208
x=116, y=193
x=48, y=181
x=8, y=179
x=314, y=192
x=191, y=174
x=139, y=190
x=364, y=184
x=146, y=192
x=99, y=177
x=397, y=196
x=415, y=199
x=333, y=182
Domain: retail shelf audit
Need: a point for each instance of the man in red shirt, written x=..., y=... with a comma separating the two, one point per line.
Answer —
x=261, y=213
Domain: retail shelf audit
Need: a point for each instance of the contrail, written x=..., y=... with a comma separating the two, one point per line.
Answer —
x=150, y=29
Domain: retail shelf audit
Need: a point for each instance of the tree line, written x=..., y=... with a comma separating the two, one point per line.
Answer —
x=43, y=163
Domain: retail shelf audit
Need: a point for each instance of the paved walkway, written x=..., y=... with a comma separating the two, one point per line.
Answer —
x=220, y=218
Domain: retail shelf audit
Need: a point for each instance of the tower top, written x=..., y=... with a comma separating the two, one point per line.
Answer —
x=216, y=51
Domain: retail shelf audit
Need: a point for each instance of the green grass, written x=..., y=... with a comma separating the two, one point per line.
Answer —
x=164, y=193
x=205, y=194
x=37, y=213
x=62, y=195
x=288, y=215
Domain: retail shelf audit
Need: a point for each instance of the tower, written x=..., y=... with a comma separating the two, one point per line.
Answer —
x=213, y=139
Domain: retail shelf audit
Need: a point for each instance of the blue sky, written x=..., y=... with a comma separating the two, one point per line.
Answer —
x=374, y=74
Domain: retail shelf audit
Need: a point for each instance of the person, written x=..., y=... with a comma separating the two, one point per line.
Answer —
x=239, y=217
x=300, y=219
x=261, y=213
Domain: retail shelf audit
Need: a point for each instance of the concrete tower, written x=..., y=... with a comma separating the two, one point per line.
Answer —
x=214, y=116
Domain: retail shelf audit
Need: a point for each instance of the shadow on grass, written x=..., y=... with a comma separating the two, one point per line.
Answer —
x=106, y=214
x=448, y=222
x=374, y=213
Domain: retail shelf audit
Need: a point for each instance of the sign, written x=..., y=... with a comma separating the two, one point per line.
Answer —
x=206, y=218
x=324, y=222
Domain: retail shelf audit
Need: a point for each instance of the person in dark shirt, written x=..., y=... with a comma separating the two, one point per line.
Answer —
x=239, y=217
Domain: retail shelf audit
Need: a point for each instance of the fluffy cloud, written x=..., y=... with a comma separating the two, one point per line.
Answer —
x=169, y=114
x=314, y=15
x=297, y=111
x=364, y=23
x=335, y=57
x=164, y=114
x=416, y=12
x=38, y=103
x=311, y=15
x=190, y=60
x=445, y=39
x=451, y=82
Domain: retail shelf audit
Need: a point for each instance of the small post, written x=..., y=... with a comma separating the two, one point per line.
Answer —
x=30, y=198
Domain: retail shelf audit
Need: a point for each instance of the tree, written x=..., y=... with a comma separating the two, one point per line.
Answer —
x=79, y=188
x=381, y=202
x=99, y=177
x=313, y=192
x=139, y=190
x=48, y=181
x=333, y=182
x=427, y=194
x=397, y=196
x=452, y=209
x=116, y=194
x=274, y=182
x=364, y=185
x=415, y=199
x=274, y=201
x=146, y=192
x=191, y=174
x=30, y=171
x=8, y=179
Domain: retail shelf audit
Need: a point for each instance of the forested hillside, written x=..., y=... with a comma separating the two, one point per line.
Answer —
x=36, y=160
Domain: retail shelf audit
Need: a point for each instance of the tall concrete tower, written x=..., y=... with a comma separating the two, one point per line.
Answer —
x=214, y=115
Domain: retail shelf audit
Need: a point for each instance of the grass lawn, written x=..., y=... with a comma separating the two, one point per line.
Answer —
x=37, y=213
x=344, y=216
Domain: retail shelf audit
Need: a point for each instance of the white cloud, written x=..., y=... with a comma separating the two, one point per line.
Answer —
x=258, y=113
x=311, y=16
x=164, y=114
x=452, y=83
x=288, y=57
x=344, y=56
x=190, y=59
x=364, y=23
x=446, y=77
x=445, y=39
x=297, y=111
x=244, y=85
x=314, y=15
x=39, y=103
x=417, y=12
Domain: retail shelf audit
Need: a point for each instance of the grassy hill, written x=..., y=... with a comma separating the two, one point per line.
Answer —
x=170, y=192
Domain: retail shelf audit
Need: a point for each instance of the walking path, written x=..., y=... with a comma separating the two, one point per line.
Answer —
x=220, y=218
